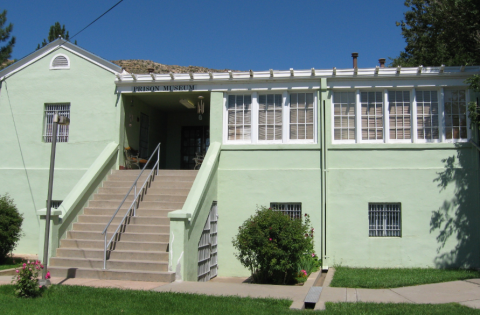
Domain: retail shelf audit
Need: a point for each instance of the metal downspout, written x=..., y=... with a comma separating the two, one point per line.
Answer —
x=323, y=93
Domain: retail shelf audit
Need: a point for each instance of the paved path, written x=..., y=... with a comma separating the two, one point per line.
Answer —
x=465, y=292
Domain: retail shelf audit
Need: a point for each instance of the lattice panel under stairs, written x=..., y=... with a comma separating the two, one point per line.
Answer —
x=207, y=247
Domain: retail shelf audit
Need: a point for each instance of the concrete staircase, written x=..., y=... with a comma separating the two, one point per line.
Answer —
x=142, y=252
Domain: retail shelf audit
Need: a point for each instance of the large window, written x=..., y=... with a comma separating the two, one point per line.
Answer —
x=239, y=117
x=260, y=118
x=427, y=115
x=455, y=114
x=62, y=130
x=344, y=116
x=384, y=219
x=301, y=116
x=372, y=115
x=400, y=116
x=270, y=117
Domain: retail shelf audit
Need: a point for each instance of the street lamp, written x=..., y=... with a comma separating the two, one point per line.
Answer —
x=62, y=120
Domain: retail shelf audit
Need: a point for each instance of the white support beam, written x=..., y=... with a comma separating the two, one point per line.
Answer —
x=119, y=77
x=172, y=76
x=377, y=68
x=153, y=76
x=420, y=68
x=399, y=68
x=210, y=75
x=442, y=68
x=462, y=69
x=230, y=74
x=271, y=73
x=313, y=71
x=133, y=76
x=355, y=70
x=191, y=75
x=251, y=73
x=334, y=70
x=291, y=72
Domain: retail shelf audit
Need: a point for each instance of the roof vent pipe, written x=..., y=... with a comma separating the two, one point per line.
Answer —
x=382, y=62
x=355, y=56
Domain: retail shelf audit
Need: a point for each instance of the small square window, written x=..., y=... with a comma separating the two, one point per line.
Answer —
x=384, y=219
x=293, y=210
x=63, y=130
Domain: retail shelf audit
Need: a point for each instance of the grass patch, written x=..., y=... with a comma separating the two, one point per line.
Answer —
x=385, y=278
x=393, y=308
x=11, y=263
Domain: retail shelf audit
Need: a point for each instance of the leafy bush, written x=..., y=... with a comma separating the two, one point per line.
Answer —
x=26, y=280
x=10, y=226
x=270, y=245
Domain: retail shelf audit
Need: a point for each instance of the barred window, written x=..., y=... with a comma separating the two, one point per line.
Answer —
x=270, y=117
x=384, y=219
x=399, y=114
x=293, y=210
x=301, y=116
x=62, y=130
x=427, y=115
x=239, y=117
x=455, y=114
x=55, y=203
x=372, y=115
x=344, y=115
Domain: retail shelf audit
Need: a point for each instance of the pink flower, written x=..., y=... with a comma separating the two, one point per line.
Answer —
x=37, y=267
x=313, y=230
x=24, y=264
x=304, y=272
x=47, y=276
x=270, y=239
x=28, y=261
x=40, y=286
x=313, y=254
x=30, y=269
x=23, y=267
x=17, y=271
x=41, y=266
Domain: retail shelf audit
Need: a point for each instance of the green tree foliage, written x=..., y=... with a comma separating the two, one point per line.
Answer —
x=5, y=51
x=10, y=226
x=271, y=245
x=55, y=31
x=440, y=32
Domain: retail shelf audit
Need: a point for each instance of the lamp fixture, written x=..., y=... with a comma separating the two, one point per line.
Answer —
x=200, y=107
x=187, y=103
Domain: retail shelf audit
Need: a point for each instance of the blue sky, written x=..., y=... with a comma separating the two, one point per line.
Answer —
x=240, y=35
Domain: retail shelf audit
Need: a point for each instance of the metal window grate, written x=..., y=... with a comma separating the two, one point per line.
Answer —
x=293, y=210
x=207, y=247
x=62, y=131
x=384, y=219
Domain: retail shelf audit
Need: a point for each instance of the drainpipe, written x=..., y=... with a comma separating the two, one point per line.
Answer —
x=355, y=57
x=323, y=139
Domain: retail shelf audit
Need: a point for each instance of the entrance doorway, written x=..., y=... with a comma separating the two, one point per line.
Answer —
x=143, y=141
x=195, y=139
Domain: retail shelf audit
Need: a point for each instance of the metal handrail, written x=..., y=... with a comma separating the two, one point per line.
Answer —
x=134, y=203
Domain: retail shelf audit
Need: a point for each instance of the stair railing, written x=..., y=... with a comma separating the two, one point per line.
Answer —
x=132, y=210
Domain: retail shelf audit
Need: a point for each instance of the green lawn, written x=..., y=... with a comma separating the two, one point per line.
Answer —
x=65, y=299
x=370, y=278
x=11, y=263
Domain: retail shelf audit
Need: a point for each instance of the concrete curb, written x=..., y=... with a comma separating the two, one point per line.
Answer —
x=299, y=304
x=8, y=272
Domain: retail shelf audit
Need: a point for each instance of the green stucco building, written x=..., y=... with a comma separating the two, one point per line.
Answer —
x=383, y=159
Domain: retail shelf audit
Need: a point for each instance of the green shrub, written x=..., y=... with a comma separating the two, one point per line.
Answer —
x=10, y=226
x=270, y=245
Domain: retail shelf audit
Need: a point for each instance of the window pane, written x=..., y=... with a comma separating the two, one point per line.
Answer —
x=344, y=115
x=301, y=116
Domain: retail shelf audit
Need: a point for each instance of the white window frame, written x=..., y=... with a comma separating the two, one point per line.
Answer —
x=285, y=118
x=413, y=116
x=60, y=68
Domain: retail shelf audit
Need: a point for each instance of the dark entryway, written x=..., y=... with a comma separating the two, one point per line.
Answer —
x=195, y=139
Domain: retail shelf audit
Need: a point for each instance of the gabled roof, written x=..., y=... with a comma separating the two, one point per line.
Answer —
x=55, y=45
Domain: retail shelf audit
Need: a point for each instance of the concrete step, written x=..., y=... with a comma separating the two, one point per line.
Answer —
x=148, y=197
x=134, y=228
x=123, y=245
x=126, y=236
x=140, y=212
x=103, y=219
x=137, y=255
x=160, y=172
x=111, y=264
x=131, y=179
x=143, y=205
x=69, y=272
x=152, y=190
x=158, y=184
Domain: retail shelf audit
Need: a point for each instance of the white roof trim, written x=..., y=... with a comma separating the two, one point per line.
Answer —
x=53, y=46
x=291, y=74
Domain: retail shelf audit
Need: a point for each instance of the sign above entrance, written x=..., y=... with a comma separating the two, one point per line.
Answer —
x=161, y=88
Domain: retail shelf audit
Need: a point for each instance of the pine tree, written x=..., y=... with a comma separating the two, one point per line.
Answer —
x=55, y=31
x=5, y=51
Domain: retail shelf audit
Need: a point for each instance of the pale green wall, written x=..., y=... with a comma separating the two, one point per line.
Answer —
x=91, y=93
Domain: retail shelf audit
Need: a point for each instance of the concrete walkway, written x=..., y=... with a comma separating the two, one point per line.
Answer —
x=465, y=292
